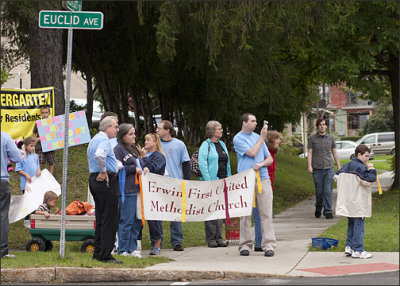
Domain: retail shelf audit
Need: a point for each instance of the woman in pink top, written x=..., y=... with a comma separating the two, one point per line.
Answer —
x=273, y=141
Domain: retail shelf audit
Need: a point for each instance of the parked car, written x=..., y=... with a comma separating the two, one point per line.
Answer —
x=380, y=143
x=345, y=150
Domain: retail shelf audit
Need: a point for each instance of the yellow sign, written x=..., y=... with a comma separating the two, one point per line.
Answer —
x=20, y=108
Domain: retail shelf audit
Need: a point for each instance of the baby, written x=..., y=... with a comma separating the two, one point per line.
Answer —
x=49, y=202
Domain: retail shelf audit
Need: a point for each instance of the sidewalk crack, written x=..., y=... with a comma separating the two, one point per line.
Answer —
x=294, y=267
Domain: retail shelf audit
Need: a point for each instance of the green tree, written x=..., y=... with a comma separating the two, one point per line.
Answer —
x=380, y=121
x=361, y=47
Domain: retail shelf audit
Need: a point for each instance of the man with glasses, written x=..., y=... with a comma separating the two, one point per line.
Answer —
x=321, y=146
x=104, y=187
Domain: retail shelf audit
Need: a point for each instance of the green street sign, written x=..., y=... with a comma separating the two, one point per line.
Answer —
x=72, y=5
x=74, y=20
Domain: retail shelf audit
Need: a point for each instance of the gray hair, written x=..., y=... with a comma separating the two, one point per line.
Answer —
x=106, y=122
x=210, y=128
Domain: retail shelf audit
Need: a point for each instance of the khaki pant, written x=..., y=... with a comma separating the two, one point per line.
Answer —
x=264, y=202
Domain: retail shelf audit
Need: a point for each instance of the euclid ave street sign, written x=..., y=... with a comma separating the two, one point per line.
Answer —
x=67, y=19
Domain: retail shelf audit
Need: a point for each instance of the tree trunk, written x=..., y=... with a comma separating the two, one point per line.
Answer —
x=137, y=115
x=149, y=113
x=46, y=54
x=90, y=93
x=394, y=82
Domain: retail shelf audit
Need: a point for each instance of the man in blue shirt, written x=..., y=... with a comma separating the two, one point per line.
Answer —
x=178, y=166
x=104, y=187
x=8, y=150
x=252, y=153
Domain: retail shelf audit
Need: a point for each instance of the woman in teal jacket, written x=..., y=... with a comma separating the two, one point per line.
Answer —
x=214, y=164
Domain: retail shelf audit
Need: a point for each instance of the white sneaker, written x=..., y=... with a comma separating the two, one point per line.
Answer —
x=348, y=251
x=125, y=254
x=27, y=223
x=136, y=253
x=9, y=256
x=362, y=255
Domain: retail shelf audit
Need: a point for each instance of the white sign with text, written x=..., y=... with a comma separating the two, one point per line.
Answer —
x=204, y=200
x=20, y=206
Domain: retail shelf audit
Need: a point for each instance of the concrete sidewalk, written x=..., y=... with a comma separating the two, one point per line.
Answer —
x=294, y=229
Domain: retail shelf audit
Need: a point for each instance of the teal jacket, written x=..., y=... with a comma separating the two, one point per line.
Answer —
x=208, y=161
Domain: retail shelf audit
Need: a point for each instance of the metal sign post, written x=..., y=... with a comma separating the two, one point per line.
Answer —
x=70, y=21
x=66, y=144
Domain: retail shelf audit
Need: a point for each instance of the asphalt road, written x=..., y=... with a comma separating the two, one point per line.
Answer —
x=386, y=278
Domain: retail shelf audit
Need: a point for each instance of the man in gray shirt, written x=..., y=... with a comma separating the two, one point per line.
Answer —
x=321, y=146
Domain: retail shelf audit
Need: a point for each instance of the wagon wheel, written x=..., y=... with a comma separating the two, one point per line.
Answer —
x=35, y=245
x=88, y=246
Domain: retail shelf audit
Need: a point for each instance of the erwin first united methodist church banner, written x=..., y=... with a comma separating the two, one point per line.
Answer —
x=170, y=199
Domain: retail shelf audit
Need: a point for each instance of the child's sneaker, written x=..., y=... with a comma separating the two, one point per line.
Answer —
x=27, y=223
x=124, y=254
x=362, y=255
x=348, y=251
x=136, y=253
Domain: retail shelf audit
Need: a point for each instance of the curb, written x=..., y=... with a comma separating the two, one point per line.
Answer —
x=79, y=274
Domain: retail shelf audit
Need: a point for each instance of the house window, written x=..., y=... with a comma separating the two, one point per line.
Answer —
x=356, y=120
x=332, y=124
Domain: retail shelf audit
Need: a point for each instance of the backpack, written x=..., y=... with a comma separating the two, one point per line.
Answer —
x=194, y=162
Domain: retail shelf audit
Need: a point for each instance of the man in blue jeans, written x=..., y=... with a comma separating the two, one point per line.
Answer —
x=178, y=166
x=321, y=146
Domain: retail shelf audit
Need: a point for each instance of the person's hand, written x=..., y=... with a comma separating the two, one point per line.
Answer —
x=310, y=169
x=28, y=178
x=138, y=171
x=56, y=211
x=46, y=215
x=38, y=173
x=146, y=170
x=264, y=131
x=257, y=166
x=120, y=166
x=141, y=150
x=370, y=166
x=103, y=176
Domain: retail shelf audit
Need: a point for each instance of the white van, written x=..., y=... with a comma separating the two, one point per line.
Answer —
x=380, y=143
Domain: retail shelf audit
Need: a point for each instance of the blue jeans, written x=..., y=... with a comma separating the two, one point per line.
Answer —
x=129, y=225
x=355, y=233
x=257, y=227
x=175, y=229
x=323, y=180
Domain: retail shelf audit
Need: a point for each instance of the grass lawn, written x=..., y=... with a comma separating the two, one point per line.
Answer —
x=381, y=230
x=75, y=259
